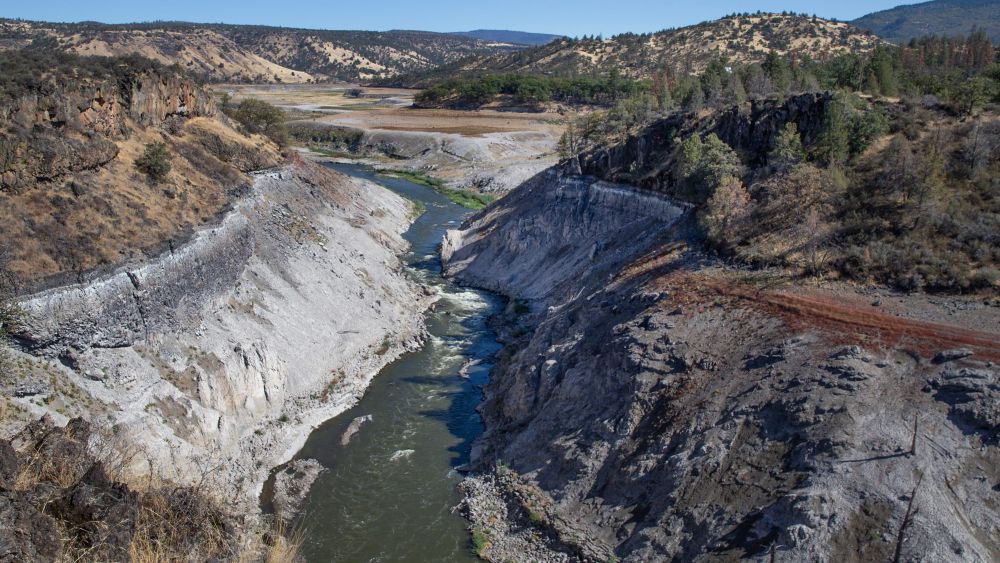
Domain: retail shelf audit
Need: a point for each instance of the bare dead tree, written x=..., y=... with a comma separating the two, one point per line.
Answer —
x=911, y=513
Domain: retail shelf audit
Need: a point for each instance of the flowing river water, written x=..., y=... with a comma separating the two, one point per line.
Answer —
x=388, y=495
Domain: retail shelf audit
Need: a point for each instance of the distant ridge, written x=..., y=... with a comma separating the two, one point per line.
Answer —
x=938, y=17
x=506, y=36
x=257, y=53
x=741, y=38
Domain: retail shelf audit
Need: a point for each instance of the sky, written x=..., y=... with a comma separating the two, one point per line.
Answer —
x=564, y=17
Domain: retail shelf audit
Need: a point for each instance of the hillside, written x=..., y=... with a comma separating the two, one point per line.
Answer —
x=939, y=17
x=506, y=36
x=234, y=53
x=72, y=130
x=739, y=39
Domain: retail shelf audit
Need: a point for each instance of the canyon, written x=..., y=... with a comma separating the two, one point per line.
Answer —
x=650, y=400
x=750, y=325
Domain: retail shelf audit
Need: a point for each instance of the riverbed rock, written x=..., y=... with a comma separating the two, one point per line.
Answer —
x=291, y=488
x=353, y=428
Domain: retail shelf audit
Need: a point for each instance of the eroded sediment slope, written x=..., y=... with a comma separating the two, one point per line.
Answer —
x=214, y=360
x=657, y=405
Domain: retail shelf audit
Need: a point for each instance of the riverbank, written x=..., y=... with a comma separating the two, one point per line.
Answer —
x=213, y=362
x=653, y=403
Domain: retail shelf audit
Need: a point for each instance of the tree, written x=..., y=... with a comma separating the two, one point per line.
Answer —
x=258, y=116
x=695, y=98
x=971, y=95
x=10, y=312
x=727, y=205
x=569, y=143
x=885, y=75
x=833, y=144
x=703, y=166
x=788, y=150
x=735, y=93
x=689, y=158
x=155, y=162
x=866, y=128
x=719, y=162
x=776, y=67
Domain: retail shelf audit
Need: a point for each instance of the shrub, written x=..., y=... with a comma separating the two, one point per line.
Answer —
x=480, y=541
x=155, y=162
x=258, y=116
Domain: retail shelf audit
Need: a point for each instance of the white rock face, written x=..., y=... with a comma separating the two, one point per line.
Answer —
x=215, y=361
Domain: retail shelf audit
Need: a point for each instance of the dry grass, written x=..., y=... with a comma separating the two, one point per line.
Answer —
x=120, y=513
x=100, y=217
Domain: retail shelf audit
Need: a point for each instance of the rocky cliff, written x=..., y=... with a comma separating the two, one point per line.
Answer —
x=72, y=200
x=653, y=404
x=75, y=128
x=646, y=158
x=213, y=360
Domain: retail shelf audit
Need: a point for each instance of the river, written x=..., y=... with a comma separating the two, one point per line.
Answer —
x=388, y=495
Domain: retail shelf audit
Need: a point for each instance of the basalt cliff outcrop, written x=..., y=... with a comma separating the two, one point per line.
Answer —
x=654, y=404
x=73, y=129
x=646, y=158
x=73, y=201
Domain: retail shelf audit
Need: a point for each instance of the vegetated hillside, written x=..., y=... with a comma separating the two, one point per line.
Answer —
x=103, y=159
x=358, y=55
x=234, y=53
x=738, y=39
x=201, y=51
x=702, y=360
x=854, y=183
x=506, y=36
x=940, y=17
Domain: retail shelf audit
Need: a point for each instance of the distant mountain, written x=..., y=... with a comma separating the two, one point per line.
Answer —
x=251, y=53
x=739, y=39
x=505, y=36
x=941, y=17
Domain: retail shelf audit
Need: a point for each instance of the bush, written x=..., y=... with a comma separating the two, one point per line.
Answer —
x=155, y=162
x=480, y=541
x=258, y=116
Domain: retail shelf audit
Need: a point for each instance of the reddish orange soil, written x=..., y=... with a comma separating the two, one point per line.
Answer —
x=838, y=314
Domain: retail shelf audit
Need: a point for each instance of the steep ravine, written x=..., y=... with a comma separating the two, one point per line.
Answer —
x=651, y=404
x=213, y=361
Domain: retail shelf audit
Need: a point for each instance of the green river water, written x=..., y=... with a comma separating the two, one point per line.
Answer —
x=388, y=495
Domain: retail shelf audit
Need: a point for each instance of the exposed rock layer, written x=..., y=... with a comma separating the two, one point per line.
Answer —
x=216, y=359
x=654, y=408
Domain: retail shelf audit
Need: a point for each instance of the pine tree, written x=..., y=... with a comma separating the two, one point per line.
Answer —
x=154, y=162
x=719, y=163
x=833, y=144
x=788, y=150
x=723, y=210
x=689, y=159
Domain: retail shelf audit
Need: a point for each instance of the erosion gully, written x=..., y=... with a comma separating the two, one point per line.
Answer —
x=388, y=495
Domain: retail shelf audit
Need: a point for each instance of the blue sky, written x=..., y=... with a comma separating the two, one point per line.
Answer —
x=577, y=17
